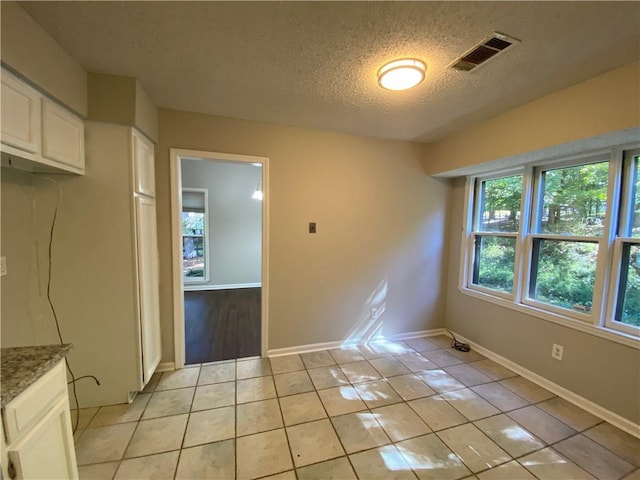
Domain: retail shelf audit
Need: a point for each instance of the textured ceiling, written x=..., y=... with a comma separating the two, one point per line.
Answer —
x=314, y=64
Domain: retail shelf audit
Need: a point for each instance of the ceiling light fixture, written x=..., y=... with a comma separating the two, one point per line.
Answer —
x=402, y=74
x=257, y=195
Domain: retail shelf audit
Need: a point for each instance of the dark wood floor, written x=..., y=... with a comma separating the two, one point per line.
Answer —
x=221, y=324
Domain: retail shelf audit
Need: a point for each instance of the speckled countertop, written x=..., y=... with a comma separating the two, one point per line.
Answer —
x=22, y=366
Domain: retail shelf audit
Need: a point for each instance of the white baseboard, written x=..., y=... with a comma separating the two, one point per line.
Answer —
x=197, y=288
x=166, y=367
x=314, y=347
x=591, y=407
x=398, y=337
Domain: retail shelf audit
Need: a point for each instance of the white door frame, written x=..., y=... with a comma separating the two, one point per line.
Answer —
x=176, y=156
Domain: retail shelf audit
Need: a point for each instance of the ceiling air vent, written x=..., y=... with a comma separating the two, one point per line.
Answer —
x=482, y=52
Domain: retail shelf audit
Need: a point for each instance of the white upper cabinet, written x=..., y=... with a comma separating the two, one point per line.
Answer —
x=20, y=115
x=38, y=135
x=143, y=165
x=62, y=135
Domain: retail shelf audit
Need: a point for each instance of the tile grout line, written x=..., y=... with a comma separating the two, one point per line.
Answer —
x=186, y=427
x=306, y=369
x=367, y=408
x=286, y=436
x=315, y=390
x=124, y=452
x=384, y=378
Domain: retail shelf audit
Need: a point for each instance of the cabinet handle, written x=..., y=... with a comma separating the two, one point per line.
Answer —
x=12, y=470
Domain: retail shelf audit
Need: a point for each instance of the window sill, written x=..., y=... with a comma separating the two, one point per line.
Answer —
x=566, y=321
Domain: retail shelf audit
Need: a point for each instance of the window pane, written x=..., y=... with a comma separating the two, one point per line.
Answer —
x=575, y=200
x=192, y=223
x=494, y=262
x=500, y=210
x=193, y=257
x=563, y=273
x=628, y=307
x=635, y=199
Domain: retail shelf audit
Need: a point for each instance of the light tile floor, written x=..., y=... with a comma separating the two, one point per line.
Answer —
x=413, y=409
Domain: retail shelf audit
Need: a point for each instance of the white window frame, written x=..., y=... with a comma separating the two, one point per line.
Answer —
x=475, y=232
x=602, y=242
x=599, y=321
x=625, y=215
x=205, y=239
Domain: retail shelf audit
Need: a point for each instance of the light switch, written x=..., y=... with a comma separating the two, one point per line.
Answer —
x=312, y=227
x=3, y=266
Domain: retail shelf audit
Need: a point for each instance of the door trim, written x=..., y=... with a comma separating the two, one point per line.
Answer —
x=175, y=156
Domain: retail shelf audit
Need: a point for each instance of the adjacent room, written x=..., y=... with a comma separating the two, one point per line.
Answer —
x=320, y=240
x=221, y=230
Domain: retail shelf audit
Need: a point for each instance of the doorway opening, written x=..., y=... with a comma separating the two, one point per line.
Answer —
x=219, y=255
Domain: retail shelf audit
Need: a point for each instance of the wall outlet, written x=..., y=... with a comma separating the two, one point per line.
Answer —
x=3, y=266
x=374, y=313
x=557, y=351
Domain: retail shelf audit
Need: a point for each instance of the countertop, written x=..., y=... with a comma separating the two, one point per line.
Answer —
x=22, y=366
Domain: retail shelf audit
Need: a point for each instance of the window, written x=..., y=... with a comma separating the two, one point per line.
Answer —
x=497, y=217
x=626, y=291
x=568, y=225
x=194, y=235
x=560, y=240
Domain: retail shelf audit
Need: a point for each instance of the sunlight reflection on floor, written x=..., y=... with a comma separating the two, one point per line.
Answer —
x=392, y=458
x=370, y=393
x=516, y=433
x=349, y=393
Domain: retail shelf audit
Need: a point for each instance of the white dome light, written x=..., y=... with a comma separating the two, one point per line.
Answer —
x=402, y=74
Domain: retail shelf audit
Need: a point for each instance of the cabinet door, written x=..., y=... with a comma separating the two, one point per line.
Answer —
x=148, y=285
x=20, y=115
x=31, y=405
x=143, y=165
x=62, y=135
x=47, y=451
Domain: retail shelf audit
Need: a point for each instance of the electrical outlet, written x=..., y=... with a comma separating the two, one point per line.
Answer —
x=3, y=266
x=374, y=313
x=557, y=351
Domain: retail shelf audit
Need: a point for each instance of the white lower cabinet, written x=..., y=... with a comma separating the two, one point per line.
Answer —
x=38, y=429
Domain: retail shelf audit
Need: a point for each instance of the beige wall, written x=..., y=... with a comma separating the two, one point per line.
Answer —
x=93, y=265
x=592, y=114
x=602, y=371
x=111, y=98
x=146, y=118
x=27, y=210
x=607, y=103
x=381, y=227
x=17, y=247
x=30, y=51
x=123, y=101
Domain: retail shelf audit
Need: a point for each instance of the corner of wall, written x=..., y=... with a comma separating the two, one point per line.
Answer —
x=122, y=100
x=146, y=113
x=607, y=103
x=111, y=98
x=31, y=52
